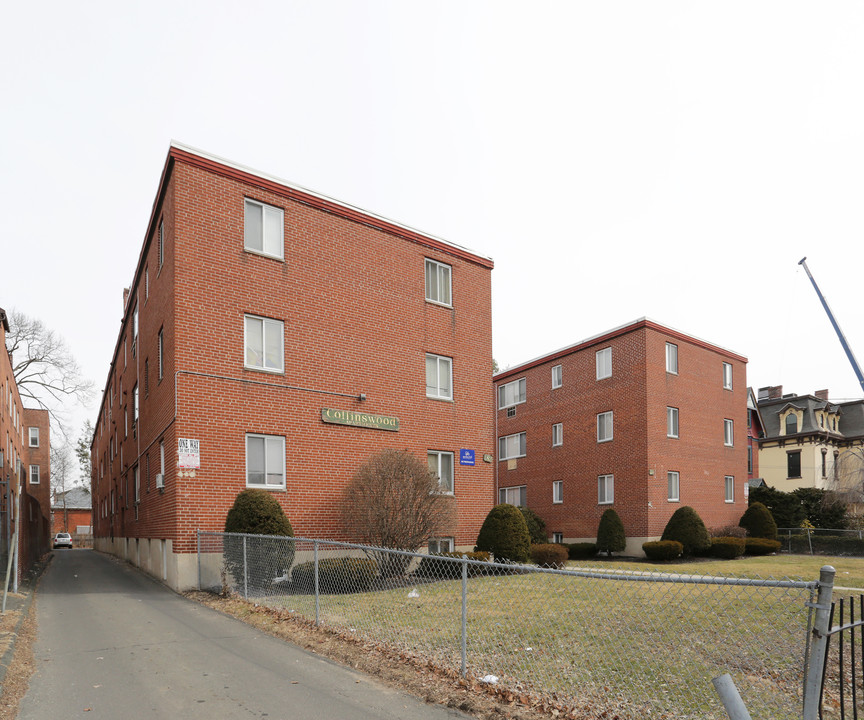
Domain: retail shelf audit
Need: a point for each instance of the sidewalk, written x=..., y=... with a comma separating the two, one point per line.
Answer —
x=20, y=602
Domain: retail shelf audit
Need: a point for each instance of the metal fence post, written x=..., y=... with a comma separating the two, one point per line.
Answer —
x=317, y=599
x=730, y=697
x=464, y=644
x=816, y=661
x=245, y=572
x=198, y=544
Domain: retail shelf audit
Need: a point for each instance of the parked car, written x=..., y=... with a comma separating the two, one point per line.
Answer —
x=62, y=540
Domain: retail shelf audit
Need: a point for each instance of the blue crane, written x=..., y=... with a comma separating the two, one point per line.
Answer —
x=836, y=327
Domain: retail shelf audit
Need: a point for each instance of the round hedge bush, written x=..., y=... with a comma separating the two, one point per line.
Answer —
x=536, y=526
x=662, y=550
x=581, y=550
x=727, y=548
x=504, y=533
x=549, y=555
x=758, y=521
x=257, y=512
x=610, y=533
x=686, y=527
x=761, y=546
x=335, y=575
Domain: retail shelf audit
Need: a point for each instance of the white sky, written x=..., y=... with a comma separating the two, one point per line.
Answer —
x=616, y=160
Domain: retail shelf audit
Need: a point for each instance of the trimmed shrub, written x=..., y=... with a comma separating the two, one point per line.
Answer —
x=581, y=551
x=686, y=527
x=336, y=575
x=549, y=555
x=786, y=509
x=758, y=522
x=257, y=512
x=433, y=567
x=610, y=533
x=727, y=548
x=536, y=526
x=761, y=546
x=662, y=550
x=735, y=531
x=504, y=533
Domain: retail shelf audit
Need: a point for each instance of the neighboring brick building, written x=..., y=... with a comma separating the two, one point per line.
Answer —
x=72, y=512
x=25, y=469
x=277, y=338
x=642, y=419
x=755, y=431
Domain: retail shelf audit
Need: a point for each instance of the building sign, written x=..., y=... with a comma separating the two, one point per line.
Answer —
x=188, y=453
x=366, y=420
x=466, y=457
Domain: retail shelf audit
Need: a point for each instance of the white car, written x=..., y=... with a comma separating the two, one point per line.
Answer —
x=62, y=540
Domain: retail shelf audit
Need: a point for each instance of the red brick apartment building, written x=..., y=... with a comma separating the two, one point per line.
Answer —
x=643, y=419
x=25, y=471
x=276, y=338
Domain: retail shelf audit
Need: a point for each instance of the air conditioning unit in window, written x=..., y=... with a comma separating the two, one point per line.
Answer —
x=160, y=481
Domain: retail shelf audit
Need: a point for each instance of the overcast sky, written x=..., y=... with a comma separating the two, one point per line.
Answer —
x=616, y=159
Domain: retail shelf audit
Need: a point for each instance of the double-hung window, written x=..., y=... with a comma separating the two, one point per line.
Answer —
x=441, y=466
x=512, y=393
x=557, y=377
x=161, y=242
x=671, y=358
x=605, y=489
x=264, y=229
x=440, y=545
x=265, y=461
x=673, y=482
x=263, y=341
x=728, y=433
x=34, y=474
x=671, y=422
x=557, y=491
x=557, y=434
x=34, y=437
x=439, y=377
x=604, y=427
x=727, y=376
x=438, y=282
x=511, y=446
x=793, y=464
x=604, y=363
x=161, y=350
x=729, y=482
x=135, y=404
x=517, y=495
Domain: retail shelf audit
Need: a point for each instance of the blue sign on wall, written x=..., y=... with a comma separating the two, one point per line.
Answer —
x=466, y=457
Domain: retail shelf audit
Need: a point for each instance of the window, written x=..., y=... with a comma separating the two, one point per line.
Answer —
x=511, y=446
x=604, y=363
x=750, y=460
x=265, y=461
x=34, y=474
x=673, y=484
x=824, y=463
x=513, y=495
x=727, y=376
x=557, y=537
x=671, y=422
x=791, y=424
x=729, y=481
x=438, y=282
x=671, y=358
x=557, y=377
x=161, y=242
x=604, y=427
x=441, y=465
x=439, y=377
x=34, y=437
x=135, y=403
x=557, y=434
x=440, y=545
x=137, y=485
x=728, y=434
x=134, y=329
x=605, y=489
x=263, y=340
x=512, y=393
x=793, y=464
x=160, y=348
x=146, y=377
x=558, y=491
x=146, y=282
x=264, y=229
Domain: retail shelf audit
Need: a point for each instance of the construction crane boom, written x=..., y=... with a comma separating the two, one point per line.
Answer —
x=855, y=367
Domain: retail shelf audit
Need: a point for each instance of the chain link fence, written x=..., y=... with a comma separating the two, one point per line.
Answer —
x=633, y=644
x=822, y=541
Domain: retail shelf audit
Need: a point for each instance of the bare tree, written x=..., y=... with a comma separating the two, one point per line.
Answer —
x=46, y=372
x=394, y=501
x=61, y=477
x=847, y=483
x=82, y=452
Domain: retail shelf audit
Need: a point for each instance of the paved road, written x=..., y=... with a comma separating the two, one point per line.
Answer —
x=112, y=643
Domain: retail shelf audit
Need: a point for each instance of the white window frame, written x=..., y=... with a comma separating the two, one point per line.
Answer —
x=672, y=415
x=434, y=387
x=446, y=485
x=137, y=484
x=558, y=538
x=161, y=251
x=603, y=363
x=557, y=492
x=33, y=437
x=673, y=486
x=505, y=495
x=728, y=432
x=439, y=283
x=279, y=441
x=557, y=377
x=605, y=421
x=671, y=358
x=269, y=214
x=506, y=440
x=439, y=545
x=605, y=489
x=729, y=489
x=518, y=396
x=275, y=326
x=35, y=474
x=727, y=376
x=557, y=434
x=161, y=350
